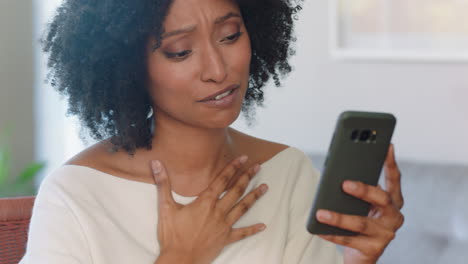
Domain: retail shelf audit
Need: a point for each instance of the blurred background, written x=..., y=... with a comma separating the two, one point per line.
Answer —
x=409, y=58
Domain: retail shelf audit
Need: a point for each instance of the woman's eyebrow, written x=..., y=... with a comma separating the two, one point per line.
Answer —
x=218, y=20
x=225, y=17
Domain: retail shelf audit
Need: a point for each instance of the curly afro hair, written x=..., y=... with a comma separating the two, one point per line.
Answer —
x=97, y=59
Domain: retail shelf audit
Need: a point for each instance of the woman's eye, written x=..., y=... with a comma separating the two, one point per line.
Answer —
x=233, y=37
x=185, y=53
x=177, y=55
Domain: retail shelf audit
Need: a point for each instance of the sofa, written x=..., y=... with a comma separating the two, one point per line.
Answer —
x=436, y=214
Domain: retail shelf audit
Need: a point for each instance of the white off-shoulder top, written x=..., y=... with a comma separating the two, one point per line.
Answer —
x=85, y=216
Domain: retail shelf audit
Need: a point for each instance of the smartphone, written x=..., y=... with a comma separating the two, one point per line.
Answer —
x=357, y=152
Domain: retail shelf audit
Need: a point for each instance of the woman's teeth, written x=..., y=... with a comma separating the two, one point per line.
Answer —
x=223, y=95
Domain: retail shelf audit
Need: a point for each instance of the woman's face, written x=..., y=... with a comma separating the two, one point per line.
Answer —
x=205, y=49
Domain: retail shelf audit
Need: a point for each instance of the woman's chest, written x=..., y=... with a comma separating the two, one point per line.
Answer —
x=126, y=231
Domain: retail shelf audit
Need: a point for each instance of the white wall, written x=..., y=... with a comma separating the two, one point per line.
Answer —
x=16, y=81
x=430, y=101
x=56, y=134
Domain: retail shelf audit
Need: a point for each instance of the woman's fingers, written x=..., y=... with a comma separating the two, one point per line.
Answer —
x=221, y=181
x=234, y=193
x=372, y=238
x=163, y=183
x=244, y=205
x=200, y=227
x=359, y=224
x=393, y=178
x=376, y=230
x=368, y=193
x=368, y=246
x=241, y=233
x=388, y=213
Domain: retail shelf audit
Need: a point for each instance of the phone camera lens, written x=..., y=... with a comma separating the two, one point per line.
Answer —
x=373, y=137
x=354, y=135
x=365, y=135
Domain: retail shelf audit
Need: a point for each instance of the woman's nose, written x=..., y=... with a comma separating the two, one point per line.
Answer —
x=213, y=65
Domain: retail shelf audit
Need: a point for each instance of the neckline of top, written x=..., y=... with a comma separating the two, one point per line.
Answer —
x=153, y=185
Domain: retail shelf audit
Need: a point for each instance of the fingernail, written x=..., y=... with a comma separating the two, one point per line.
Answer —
x=256, y=168
x=262, y=227
x=243, y=159
x=351, y=185
x=324, y=215
x=156, y=166
x=264, y=188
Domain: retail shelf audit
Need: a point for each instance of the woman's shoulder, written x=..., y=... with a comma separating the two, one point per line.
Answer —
x=88, y=161
x=261, y=150
x=88, y=155
x=264, y=150
x=97, y=156
x=100, y=158
x=74, y=178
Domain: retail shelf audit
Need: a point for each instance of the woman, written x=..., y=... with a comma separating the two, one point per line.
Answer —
x=159, y=83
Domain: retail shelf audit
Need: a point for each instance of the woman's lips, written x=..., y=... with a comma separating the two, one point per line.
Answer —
x=224, y=102
x=211, y=97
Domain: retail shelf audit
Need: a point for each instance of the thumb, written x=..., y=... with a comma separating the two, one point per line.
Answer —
x=163, y=183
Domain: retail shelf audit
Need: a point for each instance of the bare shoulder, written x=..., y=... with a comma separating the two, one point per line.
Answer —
x=95, y=156
x=261, y=149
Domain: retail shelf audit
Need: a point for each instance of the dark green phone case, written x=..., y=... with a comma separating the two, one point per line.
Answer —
x=349, y=158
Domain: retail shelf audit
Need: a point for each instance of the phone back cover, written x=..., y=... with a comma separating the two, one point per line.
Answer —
x=350, y=160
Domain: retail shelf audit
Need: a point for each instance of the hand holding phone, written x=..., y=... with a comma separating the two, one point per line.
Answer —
x=364, y=234
x=357, y=152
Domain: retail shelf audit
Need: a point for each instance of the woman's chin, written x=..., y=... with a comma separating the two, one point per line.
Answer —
x=221, y=120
